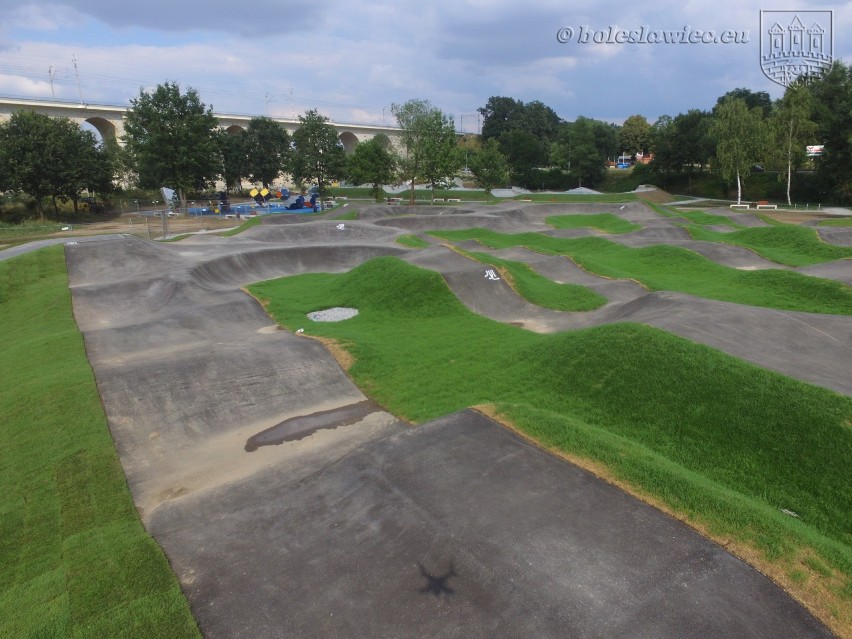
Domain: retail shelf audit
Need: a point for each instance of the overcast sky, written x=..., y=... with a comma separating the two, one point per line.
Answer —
x=352, y=59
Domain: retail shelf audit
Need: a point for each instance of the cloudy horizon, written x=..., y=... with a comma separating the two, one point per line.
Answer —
x=352, y=61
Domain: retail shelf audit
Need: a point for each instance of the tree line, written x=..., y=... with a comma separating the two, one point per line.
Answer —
x=173, y=139
x=745, y=131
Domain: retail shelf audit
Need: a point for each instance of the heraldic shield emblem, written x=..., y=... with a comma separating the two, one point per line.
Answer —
x=795, y=44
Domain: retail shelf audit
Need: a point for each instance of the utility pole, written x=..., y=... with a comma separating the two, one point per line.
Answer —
x=77, y=74
x=51, y=73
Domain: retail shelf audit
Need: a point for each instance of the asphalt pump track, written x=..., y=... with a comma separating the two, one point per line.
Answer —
x=289, y=504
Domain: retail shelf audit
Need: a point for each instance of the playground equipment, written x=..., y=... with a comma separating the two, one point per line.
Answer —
x=290, y=202
x=297, y=202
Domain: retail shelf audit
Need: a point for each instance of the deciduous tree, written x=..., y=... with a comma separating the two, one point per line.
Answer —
x=832, y=92
x=371, y=163
x=233, y=157
x=44, y=156
x=742, y=139
x=634, y=135
x=793, y=128
x=489, y=166
x=318, y=154
x=429, y=143
x=171, y=137
x=267, y=147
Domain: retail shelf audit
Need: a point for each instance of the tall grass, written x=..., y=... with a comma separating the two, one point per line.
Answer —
x=671, y=268
x=725, y=443
x=74, y=558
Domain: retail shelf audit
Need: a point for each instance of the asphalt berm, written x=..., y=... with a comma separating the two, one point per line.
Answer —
x=290, y=505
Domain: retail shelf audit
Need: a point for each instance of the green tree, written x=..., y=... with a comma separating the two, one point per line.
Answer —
x=635, y=135
x=171, y=136
x=233, y=157
x=752, y=99
x=582, y=149
x=50, y=157
x=524, y=153
x=489, y=166
x=267, y=146
x=742, y=139
x=82, y=163
x=540, y=120
x=832, y=92
x=500, y=115
x=682, y=145
x=317, y=152
x=371, y=163
x=793, y=128
x=429, y=143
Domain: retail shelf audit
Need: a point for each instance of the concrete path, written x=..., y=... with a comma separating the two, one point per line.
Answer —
x=289, y=505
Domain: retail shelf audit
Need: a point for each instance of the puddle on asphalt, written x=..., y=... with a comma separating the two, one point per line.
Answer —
x=297, y=428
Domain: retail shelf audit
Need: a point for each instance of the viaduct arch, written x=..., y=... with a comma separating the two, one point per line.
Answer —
x=109, y=120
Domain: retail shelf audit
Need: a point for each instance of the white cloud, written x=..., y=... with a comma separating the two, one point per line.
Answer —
x=351, y=60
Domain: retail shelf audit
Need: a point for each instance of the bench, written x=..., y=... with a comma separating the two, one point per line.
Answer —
x=453, y=199
x=394, y=200
x=761, y=205
x=740, y=206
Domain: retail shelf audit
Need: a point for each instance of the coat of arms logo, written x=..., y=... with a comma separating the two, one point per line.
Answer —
x=795, y=44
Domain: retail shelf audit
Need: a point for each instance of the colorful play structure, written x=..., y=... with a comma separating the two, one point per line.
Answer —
x=265, y=202
x=297, y=202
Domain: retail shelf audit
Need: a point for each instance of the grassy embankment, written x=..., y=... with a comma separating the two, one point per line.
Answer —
x=723, y=444
x=540, y=290
x=412, y=241
x=672, y=268
x=252, y=221
x=74, y=558
x=787, y=244
x=29, y=231
x=604, y=222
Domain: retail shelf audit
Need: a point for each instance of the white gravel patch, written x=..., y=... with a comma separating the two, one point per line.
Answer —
x=336, y=314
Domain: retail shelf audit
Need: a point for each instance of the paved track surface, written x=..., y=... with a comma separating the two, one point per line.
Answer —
x=290, y=505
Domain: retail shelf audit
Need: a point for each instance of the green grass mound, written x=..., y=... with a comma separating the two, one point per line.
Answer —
x=721, y=439
x=249, y=223
x=671, y=268
x=707, y=219
x=787, y=244
x=412, y=241
x=74, y=558
x=541, y=290
x=606, y=222
x=846, y=221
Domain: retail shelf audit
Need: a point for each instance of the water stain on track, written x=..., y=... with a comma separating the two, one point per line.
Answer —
x=297, y=428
